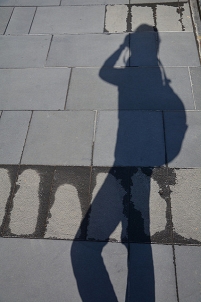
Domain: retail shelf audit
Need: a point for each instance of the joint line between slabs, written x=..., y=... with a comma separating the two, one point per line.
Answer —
x=32, y=20
x=26, y=137
x=9, y=21
x=68, y=87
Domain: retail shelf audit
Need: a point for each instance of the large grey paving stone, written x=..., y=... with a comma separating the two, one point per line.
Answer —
x=69, y=203
x=172, y=48
x=23, y=51
x=21, y=20
x=188, y=272
x=29, y=2
x=142, y=43
x=149, y=210
x=108, y=215
x=129, y=138
x=60, y=138
x=86, y=50
x=151, y=273
x=5, y=14
x=69, y=19
x=195, y=73
x=13, y=131
x=33, y=88
x=101, y=271
x=8, y=176
x=186, y=205
x=27, y=215
x=43, y=270
x=154, y=1
x=183, y=136
x=178, y=49
x=130, y=88
x=92, y=2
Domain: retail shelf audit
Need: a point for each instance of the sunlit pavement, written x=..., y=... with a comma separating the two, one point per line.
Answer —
x=100, y=155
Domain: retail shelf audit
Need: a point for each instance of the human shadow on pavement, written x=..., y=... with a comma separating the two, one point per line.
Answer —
x=144, y=93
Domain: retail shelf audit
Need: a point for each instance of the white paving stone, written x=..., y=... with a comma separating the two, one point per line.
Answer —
x=115, y=20
x=65, y=213
x=26, y=203
x=4, y=191
x=186, y=205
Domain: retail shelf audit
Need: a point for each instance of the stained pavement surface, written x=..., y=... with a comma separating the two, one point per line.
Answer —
x=100, y=156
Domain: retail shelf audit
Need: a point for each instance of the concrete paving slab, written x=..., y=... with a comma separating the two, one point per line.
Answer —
x=138, y=88
x=142, y=43
x=92, y=2
x=178, y=49
x=186, y=207
x=151, y=275
x=166, y=17
x=5, y=14
x=8, y=176
x=174, y=18
x=108, y=217
x=43, y=271
x=149, y=215
x=69, y=19
x=116, y=18
x=126, y=138
x=85, y=50
x=188, y=275
x=69, y=203
x=21, y=20
x=103, y=266
x=13, y=131
x=52, y=140
x=153, y=1
x=23, y=51
x=30, y=204
x=195, y=73
x=28, y=2
x=183, y=135
x=142, y=15
x=34, y=88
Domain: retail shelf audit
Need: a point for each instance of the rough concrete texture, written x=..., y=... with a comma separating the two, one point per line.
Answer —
x=107, y=219
x=25, y=203
x=122, y=18
x=4, y=191
x=68, y=19
x=186, y=205
x=65, y=214
x=146, y=199
x=115, y=19
x=21, y=20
